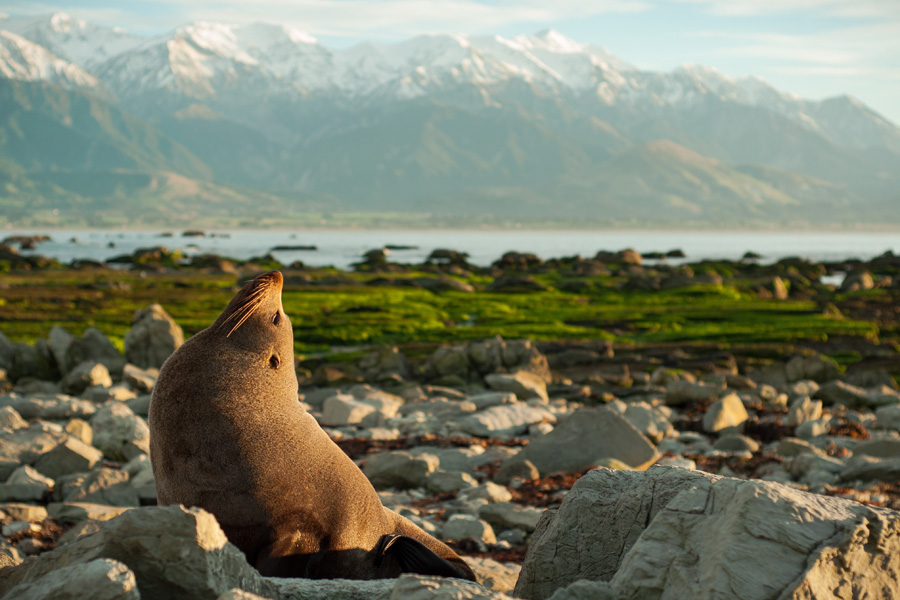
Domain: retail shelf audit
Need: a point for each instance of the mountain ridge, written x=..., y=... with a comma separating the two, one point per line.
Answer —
x=446, y=122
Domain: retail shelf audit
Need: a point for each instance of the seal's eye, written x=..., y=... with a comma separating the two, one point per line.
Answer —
x=277, y=319
x=274, y=361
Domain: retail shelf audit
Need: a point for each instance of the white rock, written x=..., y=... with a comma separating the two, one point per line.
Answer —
x=24, y=512
x=140, y=380
x=504, y=421
x=175, y=552
x=811, y=429
x=84, y=375
x=11, y=419
x=59, y=341
x=71, y=456
x=106, y=486
x=441, y=481
x=400, y=469
x=468, y=527
x=868, y=468
x=418, y=587
x=16, y=527
x=81, y=430
x=49, y=406
x=76, y=512
x=104, y=579
x=684, y=392
x=344, y=410
x=732, y=530
x=649, y=421
x=489, y=399
x=26, y=474
x=454, y=459
x=522, y=383
x=678, y=461
x=153, y=337
x=507, y=515
x=119, y=433
x=584, y=439
x=489, y=491
x=888, y=416
x=725, y=414
x=803, y=409
x=494, y=575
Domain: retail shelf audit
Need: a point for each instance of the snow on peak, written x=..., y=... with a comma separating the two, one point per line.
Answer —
x=554, y=41
x=212, y=39
x=265, y=34
x=75, y=40
x=61, y=22
x=26, y=61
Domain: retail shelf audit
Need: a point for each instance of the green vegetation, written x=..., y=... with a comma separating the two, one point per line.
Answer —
x=355, y=315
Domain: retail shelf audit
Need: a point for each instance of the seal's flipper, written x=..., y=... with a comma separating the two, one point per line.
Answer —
x=415, y=557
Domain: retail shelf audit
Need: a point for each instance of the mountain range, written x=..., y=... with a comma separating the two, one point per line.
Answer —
x=217, y=123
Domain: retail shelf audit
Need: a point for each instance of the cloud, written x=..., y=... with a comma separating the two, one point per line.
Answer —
x=403, y=17
x=831, y=8
x=846, y=48
x=352, y=18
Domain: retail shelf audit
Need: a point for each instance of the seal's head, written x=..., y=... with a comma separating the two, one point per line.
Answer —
x=255, y=322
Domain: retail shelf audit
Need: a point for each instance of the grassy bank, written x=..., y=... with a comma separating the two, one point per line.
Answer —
x=355, y=313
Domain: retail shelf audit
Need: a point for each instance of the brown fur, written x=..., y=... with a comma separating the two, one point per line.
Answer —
x=229, y=435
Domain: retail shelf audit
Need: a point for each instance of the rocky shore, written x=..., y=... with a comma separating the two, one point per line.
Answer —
x=766, y=478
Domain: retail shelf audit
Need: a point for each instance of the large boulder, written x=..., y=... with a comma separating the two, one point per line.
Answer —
x=584, y=439
x=94, y=346
x=477, y=359
x=29, y=361
x=84, y=375
x=674, y=533
x=174, y=553
x=181, y=554
x=119, y=433
x=59, y=340
x=56, y=407
x=103, y=579
x=418, y=587
x=523, y=384
x=7, y=352
x=71, y=456
x=504, y=421
x=153, y=337
x=400, y=469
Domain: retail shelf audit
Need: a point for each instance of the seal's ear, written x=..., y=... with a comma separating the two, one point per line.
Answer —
x=414, y=557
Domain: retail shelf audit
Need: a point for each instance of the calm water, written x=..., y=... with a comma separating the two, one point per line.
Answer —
x=341, y=248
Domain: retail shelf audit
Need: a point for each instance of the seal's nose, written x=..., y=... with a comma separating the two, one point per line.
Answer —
x=272, y=278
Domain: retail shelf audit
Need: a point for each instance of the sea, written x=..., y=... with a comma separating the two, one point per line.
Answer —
x=342, y=248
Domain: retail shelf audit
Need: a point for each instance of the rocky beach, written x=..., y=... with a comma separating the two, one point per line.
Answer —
x=749, y=450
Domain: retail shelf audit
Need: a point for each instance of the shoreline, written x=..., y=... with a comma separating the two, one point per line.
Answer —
x=835, y=228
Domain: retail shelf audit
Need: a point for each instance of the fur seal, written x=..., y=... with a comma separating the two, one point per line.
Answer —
x=228, y=435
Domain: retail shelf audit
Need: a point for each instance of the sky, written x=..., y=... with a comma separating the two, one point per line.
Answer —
x=814, y=48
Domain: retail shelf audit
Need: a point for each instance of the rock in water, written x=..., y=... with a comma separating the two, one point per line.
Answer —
x=672, y=533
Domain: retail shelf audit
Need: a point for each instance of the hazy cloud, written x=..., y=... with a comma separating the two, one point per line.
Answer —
x=833, y=8
x=852, y=48
x=353, y=18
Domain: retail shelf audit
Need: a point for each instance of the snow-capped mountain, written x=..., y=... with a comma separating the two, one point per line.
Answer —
x=85, y=44
x=26, y=61
x=198, y=61
x=203, y=60
x=442, y=115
